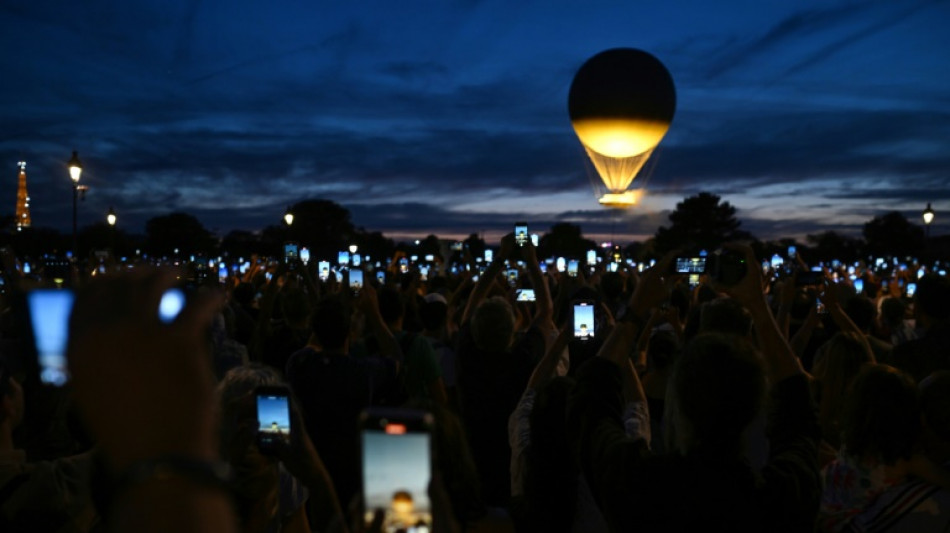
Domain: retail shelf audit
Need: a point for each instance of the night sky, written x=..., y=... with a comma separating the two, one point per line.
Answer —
x=451, y=117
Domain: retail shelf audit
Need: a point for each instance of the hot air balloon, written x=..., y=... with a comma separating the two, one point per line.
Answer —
x=621, y=104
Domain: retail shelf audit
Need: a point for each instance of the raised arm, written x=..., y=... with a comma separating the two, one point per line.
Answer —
x=544, y=306
x=780, y=359
x=146, y=391
x=622, y=342
x=368, y=304
x=487, y=279
x=829, y=297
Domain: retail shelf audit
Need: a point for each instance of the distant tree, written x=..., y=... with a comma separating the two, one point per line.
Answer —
x=476, y=245
x=376, y=245
x=272, y=240
x=701, y=222
x=893, y=234
x=564, y=239
x=181, y=231
x=242, y=243
x=767, y=249
x=430, y=245
x=638, y=250
x=829, y=245
x=100, y=237
x=323, y=226
x=36, y=241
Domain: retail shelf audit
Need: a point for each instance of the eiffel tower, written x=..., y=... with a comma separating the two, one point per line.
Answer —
x=22, y=200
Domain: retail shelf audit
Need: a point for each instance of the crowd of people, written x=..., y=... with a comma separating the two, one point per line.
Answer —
x=761, y=402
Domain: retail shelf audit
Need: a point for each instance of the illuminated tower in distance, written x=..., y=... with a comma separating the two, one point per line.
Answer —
x=22, y=200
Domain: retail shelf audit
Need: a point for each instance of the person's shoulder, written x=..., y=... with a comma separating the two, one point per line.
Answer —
x=304, y=353
x=911, y=506
x=302, y=358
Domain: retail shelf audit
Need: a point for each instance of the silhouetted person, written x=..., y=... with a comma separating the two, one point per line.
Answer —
x=931, y=352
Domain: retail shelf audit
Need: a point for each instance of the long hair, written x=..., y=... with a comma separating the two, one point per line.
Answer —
x=881, y=415
x=839, y=362
x=717, y=389
x=550, y=488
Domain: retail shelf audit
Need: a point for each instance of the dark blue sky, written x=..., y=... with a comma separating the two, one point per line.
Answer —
x=451, y=117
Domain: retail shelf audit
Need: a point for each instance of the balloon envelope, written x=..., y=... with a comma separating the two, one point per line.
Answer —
x=621, y=103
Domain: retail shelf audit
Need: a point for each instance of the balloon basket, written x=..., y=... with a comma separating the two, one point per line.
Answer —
x=620, y=200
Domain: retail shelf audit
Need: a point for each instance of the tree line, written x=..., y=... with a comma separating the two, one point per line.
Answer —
x=700, y=222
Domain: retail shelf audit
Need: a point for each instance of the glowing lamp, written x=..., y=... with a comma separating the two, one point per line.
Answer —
x=75, y=167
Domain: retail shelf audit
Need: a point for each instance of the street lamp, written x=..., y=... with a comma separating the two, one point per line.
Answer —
x=289, y=217
x=928, y=218
x=110, y=218
x=75, y=170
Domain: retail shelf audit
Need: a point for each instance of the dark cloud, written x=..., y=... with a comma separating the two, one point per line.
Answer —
x=233, y=112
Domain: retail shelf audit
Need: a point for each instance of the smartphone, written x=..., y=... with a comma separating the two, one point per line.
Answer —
x=591, y=257
x=356, y=260
x=561, y=264
x=521, y=233
x=171, y=304
x=381, y=276
x=524, y=295
x=396, y=451
x=488, y=255
x=535, y=240
x=858, y=285
x=690, y=265
x=49, y=311
x=273, y=417
x=424, y=273
x=343, y=258
x=222, y=273
x=290, y=253
x=584, y=320
x=512, y=276
x=791, y=252
x=323, y=270
x=356, y=280
x=304, y=255
x=911, y=289
x=572, y=268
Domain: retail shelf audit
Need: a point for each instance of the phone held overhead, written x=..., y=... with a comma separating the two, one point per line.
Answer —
x=397, y=467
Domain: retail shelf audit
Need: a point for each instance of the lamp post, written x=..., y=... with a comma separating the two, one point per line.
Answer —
x=928, y=215
x=75, y=171
x=110, y=218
